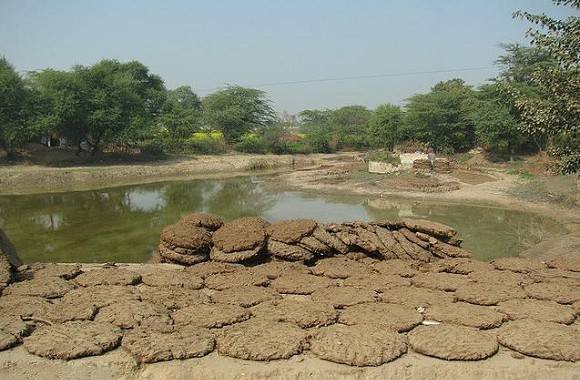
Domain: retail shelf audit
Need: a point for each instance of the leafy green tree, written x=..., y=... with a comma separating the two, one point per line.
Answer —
x=384, y=126
x=316, y=125
x=109, y=102
x=237, y=110
x=14, y=108
x=441, y=117
x=181, y=113
x=351, y=125
x=557, y=112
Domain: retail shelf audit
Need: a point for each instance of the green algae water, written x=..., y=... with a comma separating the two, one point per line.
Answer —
x=123, y=224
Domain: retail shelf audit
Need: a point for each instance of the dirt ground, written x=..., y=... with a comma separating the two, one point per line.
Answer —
x=414, y=312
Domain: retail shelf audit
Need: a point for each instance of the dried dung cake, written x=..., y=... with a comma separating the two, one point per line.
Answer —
x=344, y=296
x=244, y=296
x=377, y=282
x=202, y=219
x=108, y=276
x=73, y=340
x=487, y=294
x=415, y=297
x=302, y=312
x=448, y=282
x=465, y=314
x=451, y=342
x=340, y=267
x=274, y=269
x=506, y=278
x=355, y=346
x=210, y=315
x=12, y=329
x=102, y=295
x=539, y=310
x=291, y=231
x=173, y=277
x=221, y=281
x=48, y=287
x=518, y=264
x=288, y=251
x=22, y=306
x=184, y=243
x=262, y=340
x=211, y=267
x=65, y=271
x=175, y=344
x=395, y=267
x=546, y=340
x=390, y=316
x=128, y=315
x=459, y=266
x=294, y=240
x=300, y=283
x=172, y=298
x=554, y=291
x=571, y=263
x=65, y=311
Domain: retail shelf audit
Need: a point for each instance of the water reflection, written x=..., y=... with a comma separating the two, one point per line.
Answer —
x=123, y=224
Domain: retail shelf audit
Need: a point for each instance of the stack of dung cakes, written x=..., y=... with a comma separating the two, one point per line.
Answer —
x=188, y=241
x=239, y=240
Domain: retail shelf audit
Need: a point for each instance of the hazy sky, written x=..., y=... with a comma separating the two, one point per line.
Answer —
x=206, y=44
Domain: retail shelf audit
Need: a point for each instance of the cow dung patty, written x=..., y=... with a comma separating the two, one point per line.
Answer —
x=66, y=311
x=487, y=294
x=391, y=316
x=22, y=306
x=288, y=251
x=235, y=256
x=340, y=297
x=452, y=342
x=65, y=271
x=340, y=267
x=172, y=297
x=448, y=282
x=47, y=287
x=12, y=329
x=302, y=312
x=181, y=256
x=518, y=264
x=202, y=219
x=571, y=263
x=357, y=346
x=274, y=269
x=395, y=267
x=210, y=315
x=211, y=267
x=243, y=277
x=415, y=297
x=291, y=231
x=376, y=281
x=102, y=295
x=174, y=277
x=241, y=234
x=128, y=315
x=300, y=283
x=181, y=235
x=72, y=340
x=554, y=291
x=182, y=343
x=462, y=313
x=244, y=296
x=108, y=276
x=263, y=340
x=546, y=340
x=539, y=310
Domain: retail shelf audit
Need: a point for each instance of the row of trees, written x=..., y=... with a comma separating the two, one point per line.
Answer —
x=532, y=104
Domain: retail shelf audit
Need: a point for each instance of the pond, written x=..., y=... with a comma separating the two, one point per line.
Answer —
x=123, y=224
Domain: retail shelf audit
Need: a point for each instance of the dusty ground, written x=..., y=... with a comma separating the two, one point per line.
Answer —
x=33, y=178
x=305, y=359
x=479, y=182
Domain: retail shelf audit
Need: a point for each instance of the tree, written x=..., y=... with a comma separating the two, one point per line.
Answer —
x=351, y=125
x=104, y=103
x=237, y=110
x=441, y=117
x=181, y=113
x=385, y=125
x=557, y=112
x=14, y=108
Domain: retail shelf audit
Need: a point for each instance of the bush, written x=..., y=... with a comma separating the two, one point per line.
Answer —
x=384, y=156
x=251, y=143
